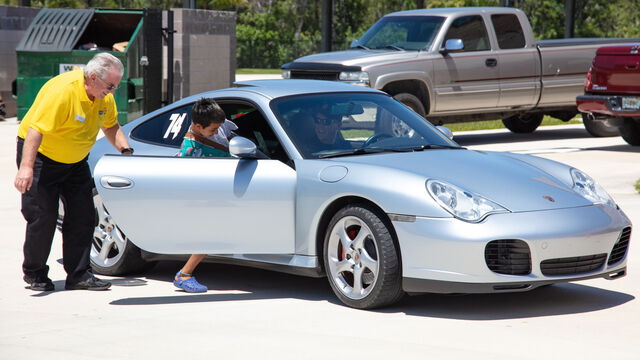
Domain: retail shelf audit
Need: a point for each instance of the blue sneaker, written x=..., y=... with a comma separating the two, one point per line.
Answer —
x=190, y=285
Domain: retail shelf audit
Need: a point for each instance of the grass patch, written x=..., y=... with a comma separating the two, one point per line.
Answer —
x=246, y=71
x=497, y=124
x=638, y=186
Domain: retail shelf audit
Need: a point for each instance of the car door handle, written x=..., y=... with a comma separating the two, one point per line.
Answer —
x=115, y=182
x=491, y=62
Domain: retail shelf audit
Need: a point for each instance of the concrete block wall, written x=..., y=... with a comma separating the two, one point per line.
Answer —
x=204, y=51
x=14, y=21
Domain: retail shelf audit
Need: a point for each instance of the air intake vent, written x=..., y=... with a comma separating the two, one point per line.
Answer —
x=510, y=257
x=620, y=248
x=572, y=265
x=314, y=75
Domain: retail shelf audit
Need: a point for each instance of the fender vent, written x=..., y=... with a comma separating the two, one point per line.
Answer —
x=572, y=265
x=509, y=257
x=620, y=248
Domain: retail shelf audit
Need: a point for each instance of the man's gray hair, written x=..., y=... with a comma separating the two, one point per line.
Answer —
x=101, y=64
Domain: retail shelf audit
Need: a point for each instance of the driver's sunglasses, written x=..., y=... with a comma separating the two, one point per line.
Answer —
x=325, y=121
x=109, y=86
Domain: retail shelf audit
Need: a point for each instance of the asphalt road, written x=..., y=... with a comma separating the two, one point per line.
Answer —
x=250, y=313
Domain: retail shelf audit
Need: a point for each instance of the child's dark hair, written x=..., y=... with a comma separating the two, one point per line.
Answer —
x=206, y=111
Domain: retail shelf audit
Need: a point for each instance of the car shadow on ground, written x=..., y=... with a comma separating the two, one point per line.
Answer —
x=243, y=283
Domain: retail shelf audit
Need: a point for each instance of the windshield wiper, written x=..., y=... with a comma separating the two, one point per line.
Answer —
x=353, y=152
x=435, y=146
x=394, y=47
x=359, y=46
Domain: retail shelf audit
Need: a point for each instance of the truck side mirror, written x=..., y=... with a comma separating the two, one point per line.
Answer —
x=453, y=45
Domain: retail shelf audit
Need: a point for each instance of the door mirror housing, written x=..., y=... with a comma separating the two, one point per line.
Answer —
x=453, y=45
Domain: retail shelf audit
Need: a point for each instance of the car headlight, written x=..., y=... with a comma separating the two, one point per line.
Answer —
x=286, y=74
x=584, y=185
x=355, y=77
x=462, y=204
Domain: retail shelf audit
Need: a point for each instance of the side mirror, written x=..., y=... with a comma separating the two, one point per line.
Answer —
x=446, y=131
x=453, y=45
x=240, y=147
x=354, y=43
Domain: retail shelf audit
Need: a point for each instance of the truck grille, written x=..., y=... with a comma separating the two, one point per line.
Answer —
x=315, y=75
x=572, y=265
x=510, y=257
x=620, y=247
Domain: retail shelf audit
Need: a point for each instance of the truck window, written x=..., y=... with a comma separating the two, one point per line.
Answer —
x=472, y=32
x=508, y=31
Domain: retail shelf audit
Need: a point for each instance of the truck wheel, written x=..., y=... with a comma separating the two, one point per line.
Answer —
x=523, y=123
x=412, y=102
x=361, y=259
x=630, y=131
x=599, y=128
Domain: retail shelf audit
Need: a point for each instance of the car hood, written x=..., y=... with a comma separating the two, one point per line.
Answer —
x=356, y=57
x=515, y=184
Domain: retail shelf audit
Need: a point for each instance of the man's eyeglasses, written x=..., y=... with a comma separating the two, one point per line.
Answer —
x=109, y=86
x=326, y=121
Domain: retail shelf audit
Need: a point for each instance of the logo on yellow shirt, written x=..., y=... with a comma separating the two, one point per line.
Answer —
x=80, y=118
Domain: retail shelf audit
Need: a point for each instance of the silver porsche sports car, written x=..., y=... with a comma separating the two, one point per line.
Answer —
x=341, y=181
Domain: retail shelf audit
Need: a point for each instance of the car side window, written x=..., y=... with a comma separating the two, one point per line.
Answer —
x=253, y=126
x=167, y=129
x=472, y=31
x=508, y=31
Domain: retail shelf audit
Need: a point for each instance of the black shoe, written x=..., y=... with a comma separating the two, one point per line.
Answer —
x=46, y=285
x=92, y=283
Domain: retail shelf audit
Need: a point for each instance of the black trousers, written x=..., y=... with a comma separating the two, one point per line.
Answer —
x=72, y=183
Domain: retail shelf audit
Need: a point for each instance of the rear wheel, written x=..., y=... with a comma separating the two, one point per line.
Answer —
x=630, y=131
x=111, y=251
x=361, y=259
x=523, y=123
x=599, y=128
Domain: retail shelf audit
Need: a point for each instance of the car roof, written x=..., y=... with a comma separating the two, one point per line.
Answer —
x=452, y=11
x=275, y=88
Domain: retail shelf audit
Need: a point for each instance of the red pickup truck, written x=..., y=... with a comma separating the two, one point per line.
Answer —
x=612, y=90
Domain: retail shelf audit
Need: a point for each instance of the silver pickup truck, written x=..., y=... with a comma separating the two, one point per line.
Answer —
x=464, y=64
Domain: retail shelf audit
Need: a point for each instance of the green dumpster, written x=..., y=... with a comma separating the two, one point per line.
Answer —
x=61, y=40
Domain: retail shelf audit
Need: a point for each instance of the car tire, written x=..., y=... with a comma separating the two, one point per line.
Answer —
x=361, y=258
x=412, y=102
x=630, y=131
x=112, y=253
x=523, y=123
x=599, y=128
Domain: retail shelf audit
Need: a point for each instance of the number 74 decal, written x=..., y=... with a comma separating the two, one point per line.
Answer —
x=175, y=125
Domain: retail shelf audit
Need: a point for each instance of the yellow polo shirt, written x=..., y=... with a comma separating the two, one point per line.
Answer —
x=67, y=119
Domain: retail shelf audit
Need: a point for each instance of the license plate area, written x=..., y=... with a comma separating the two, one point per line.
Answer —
x=630, y=103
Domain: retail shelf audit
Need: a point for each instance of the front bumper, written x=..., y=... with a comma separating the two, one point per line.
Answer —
x=446, y=255
x=610, y=105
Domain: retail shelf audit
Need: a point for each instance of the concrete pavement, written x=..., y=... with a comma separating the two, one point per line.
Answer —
x=258, y=314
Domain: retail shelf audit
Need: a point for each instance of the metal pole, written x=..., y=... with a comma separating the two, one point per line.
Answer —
x=327, y=12
x=170, y=32
x=569, y=10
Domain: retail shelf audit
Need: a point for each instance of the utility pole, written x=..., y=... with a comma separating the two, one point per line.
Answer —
x=569, y=16
x=327, y=21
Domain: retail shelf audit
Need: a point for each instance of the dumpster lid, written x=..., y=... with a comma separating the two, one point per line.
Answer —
x=55, y=30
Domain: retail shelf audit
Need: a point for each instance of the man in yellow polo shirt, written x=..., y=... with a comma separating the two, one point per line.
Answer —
x=54, y=140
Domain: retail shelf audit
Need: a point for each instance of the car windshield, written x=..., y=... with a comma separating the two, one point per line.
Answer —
x=402, y=33
x=339, y=124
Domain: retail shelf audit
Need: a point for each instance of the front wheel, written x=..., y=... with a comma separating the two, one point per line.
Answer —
x=523, y=123
x=111, y=251
x=630, y=131
x=361, y=258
